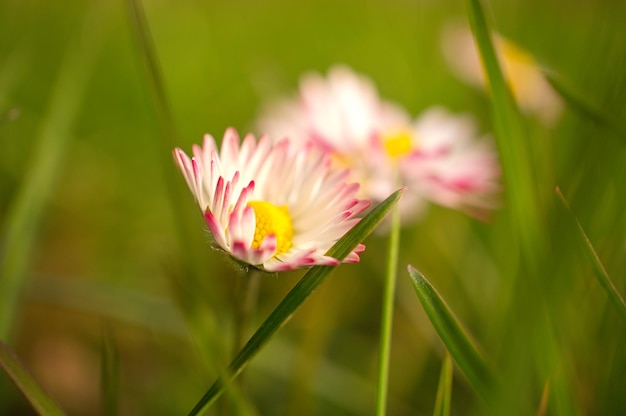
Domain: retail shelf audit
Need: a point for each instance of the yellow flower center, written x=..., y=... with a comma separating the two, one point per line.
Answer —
x=398, y=144
x=271, y=219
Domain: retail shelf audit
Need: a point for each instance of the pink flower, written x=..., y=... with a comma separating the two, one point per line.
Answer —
x=436, y=156
x=275, y=206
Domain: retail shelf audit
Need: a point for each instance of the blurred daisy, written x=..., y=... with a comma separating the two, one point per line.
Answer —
x=436, y=157
x=345, y=115
x=533, y=93
x=275, y=206
x=450, y=164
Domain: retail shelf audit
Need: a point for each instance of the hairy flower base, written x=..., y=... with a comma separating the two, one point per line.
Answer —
x=273, y=206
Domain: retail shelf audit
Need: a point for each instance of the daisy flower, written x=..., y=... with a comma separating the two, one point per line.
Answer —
x=435, y=156
x=531, y=90
x=275, y=206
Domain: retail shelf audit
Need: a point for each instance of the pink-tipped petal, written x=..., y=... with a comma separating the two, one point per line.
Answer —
x=218, y=197
x=248, y=225
x=216, y=230
x=352, y=258
x=230, y=147
x=240, y=251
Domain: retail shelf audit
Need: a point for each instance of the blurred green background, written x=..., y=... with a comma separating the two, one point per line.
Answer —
x=112, y=246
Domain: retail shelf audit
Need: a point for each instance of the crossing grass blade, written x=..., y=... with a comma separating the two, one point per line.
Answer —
x=586, y=107
x=31, y=390
x=598, y=268
x=511, y=137
x=468, y=358
x=303, y=289
x=444, y=391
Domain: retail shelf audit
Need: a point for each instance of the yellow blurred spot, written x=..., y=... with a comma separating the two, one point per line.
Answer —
x=398, y=144
x=341, y=161
x=518, y=65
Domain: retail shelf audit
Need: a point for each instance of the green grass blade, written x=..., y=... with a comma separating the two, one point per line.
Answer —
x=586, y=107
x=109, y=374
x=463, y=350
x=200, y=316
x=511, y=137
x=444, y=391
x=386, y=323
x=40, y=401
x=309, y=282
x=151, y=63
x=598, y=268
x=164, y=118
x=186, y=226
x=54, y=138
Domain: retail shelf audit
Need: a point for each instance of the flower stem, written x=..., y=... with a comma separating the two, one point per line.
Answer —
x=244, y=301
x=387, y=313
x=246, y=296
